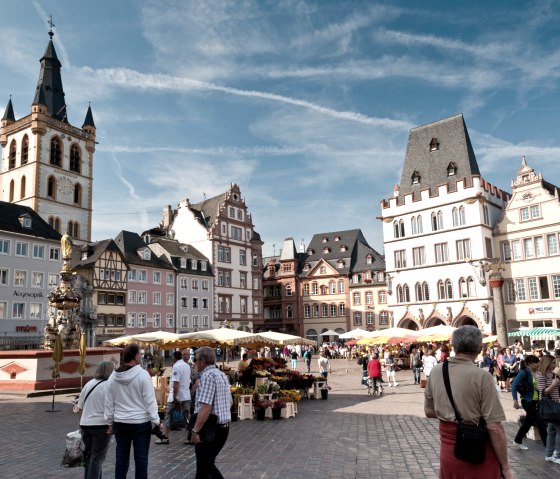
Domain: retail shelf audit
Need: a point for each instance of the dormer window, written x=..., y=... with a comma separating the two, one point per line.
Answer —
x=147, y=254
x=340, y=264
x=25, y=221
x=183, y=262
x=306, y=267
x=337, y=238
x=326, y=250
x=343, y=248
x=415, y=178
x=310, y=252
x=194, y=264
x=434, y=144
x=325, y=240
x=203, y=265
x=84, y=255
x=451, y=169
x=369, y=259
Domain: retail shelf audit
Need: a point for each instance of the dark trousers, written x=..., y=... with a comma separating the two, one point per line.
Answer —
x=416, y=373
x=206, y=453
x=308, y=364
x=96, y=442
x=531, y=419
x=135, y=435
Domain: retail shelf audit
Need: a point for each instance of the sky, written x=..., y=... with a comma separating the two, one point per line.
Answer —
x=306, y=105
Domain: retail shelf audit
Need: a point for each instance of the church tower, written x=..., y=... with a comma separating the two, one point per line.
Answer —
x=47, y=162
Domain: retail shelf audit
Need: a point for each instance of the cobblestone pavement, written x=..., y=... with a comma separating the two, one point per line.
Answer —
x=347, y=436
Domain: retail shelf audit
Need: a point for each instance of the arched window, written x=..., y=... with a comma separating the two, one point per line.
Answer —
x=401, y=228
x=451, y=169
x=289, y=312
x=419, y=224
x=73, y=229
x=455, y=214
x=462, y=220
x=400, y=298
x=56, y=224
x=78, y=194
x=441, y=289
x=12, y=191
x=323, y=289
x=56, y=152
x=440, y=220
x=311, y=334
x=51, y=187
x=289, y=291
x=415, y=178
x=395, y=229
x=413, y=226
x=12, y=158
x=449, y=289
x=419, y=292
x=463, y=293
x=22, y=188
x=459, y=216
x=75, y=159
x=471, y=287
x=426, y=289
x=406, y=292
x=25, y=150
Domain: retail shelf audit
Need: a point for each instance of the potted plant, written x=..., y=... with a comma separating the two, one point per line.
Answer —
x=260, y=407
x=277, y=406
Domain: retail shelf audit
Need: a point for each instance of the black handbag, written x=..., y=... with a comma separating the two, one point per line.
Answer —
x=207, y=432
x=549, y=410
x=470, y=441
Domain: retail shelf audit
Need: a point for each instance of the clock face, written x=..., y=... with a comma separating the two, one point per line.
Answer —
x=65, y=187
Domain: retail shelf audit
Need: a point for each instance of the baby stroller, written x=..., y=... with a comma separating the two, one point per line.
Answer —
x=374, y=386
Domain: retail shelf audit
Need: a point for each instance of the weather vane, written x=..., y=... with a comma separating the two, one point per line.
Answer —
x=50, y=22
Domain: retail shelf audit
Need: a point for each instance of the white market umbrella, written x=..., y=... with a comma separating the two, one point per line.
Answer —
x=330, y=332
x=353, y=334
x=284, y=338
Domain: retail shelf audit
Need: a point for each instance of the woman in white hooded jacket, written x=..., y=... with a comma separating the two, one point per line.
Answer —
x=131, y=411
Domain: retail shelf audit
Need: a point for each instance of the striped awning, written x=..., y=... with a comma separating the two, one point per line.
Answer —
x=537, y=333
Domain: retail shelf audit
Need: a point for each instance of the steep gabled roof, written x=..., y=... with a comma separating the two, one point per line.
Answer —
x=176, y=251
x=94, y=251
x=431, y=149
x=130, y=243
x=10, y=214
x=207, y=211
x=89, y=118
x=9, y=113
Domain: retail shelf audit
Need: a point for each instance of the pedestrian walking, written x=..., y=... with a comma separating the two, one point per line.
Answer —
x=308, y=356
x=93, y=426
x=212, y=397
x=548, y=385
x=179, y=398
x=525, y=384
x=324, y=365
x=294, y=356
x=416, y=364
x=474, y=396
x=131, y=412
x=390, y=369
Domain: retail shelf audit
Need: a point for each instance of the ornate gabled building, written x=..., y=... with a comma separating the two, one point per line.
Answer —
x=101, y=279
x=526, y=238
x=194, y=282
x=222, y=229
x=437, y=231
x=151, y=299
x=46, y=161
x=282, y=311
x=337, y=265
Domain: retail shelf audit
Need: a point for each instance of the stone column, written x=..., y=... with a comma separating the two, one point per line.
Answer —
x=496, y=282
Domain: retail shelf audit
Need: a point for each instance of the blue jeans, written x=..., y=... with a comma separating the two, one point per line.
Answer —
x=137, y=435
x=96, y=442
x=553, y=440
x=294, y=363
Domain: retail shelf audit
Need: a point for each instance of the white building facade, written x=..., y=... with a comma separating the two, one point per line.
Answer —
x=437, y=232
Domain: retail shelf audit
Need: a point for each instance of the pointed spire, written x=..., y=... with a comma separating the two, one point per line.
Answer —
x=9, y=113
x=89, y=118
x=49, y=89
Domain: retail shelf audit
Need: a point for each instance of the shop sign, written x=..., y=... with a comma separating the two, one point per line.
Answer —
x=541, y=310
x=26, y=329
x=25, y=294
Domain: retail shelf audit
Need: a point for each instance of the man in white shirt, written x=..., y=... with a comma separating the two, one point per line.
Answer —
x=179, y=397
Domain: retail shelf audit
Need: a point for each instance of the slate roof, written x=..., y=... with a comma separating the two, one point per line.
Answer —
x=49, y=90
x=552, y=189
x=354, y=257
x=174, y=248
x=9, y=221
x=95, y=250
x=207, y=211
x=9, y=113
x=89, y=118
x=454, y=146
x=129, y=243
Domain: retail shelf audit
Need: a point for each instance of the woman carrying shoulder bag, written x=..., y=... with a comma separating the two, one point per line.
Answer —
x=92, y=421
x=548, y=384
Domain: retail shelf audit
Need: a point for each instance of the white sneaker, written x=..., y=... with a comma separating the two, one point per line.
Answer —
x=396, y=384
x=523, y=447
x=390, y=385
x=555, y=460
x=549, y=458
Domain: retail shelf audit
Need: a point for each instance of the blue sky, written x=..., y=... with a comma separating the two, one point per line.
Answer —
x=305, y=104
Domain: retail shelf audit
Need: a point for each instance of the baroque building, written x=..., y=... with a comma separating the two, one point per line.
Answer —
x=46, y=161
x=437, y=231
x=222, y=229
x=527, y=240
x=341, y=275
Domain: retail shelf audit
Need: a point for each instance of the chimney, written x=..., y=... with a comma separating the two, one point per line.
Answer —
x=167, y=215
x=302, y=246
